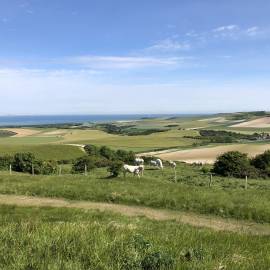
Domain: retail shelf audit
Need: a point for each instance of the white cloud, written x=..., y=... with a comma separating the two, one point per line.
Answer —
x=252, y=31
x=231, y=27
x=169, y=45
x=123, y=62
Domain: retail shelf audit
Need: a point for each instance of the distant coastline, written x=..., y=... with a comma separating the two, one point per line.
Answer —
x=66, y=119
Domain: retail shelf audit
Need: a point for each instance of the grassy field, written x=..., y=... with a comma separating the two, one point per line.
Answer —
x=210, y=153
x=172, y=138
x=44, y=151
x=226, y=198
x=48, y=238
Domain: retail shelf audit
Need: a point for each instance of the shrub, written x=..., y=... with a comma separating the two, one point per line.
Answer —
x=262, y=163
x=234, y=164
x=92, y=150
x=48, y=167
x=23, y=162
x=5, y=161
x=125, y=156
x=80, y=163
x=107, y=152
x=115, y=168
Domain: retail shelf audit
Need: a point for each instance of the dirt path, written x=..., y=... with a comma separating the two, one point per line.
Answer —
x=215, y=223
x=81, y=146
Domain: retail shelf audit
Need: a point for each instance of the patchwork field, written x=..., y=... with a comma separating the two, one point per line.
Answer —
x=158, y=222
x=257, y=123
x=209, y=154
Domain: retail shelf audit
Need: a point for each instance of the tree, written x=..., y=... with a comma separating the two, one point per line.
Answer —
x=106, y=152
x=5, y=161
x=23, y=162
x=125, y=156
x=115, y=168
x=234, y=164
x=80, y=163
x=91, y=150
x=262, y=163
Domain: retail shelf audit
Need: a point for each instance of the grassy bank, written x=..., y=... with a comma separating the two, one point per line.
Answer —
x=226, y=197
x=44, y=152
x=48, y=238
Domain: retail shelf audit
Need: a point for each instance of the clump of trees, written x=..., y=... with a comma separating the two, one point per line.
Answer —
x=129, y=130
x=236, y=164
x=223, y=136
x=98, y=157
x=27, y=162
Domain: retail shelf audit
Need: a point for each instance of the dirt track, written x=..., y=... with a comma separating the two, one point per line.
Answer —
x=215, y=223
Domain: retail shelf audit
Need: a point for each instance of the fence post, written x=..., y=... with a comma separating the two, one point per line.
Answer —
x=246, y=183
x=210, y=180
x=33, y=171
x=175, y=176
x=10, y=169
x=60, y=169
x=85, y=170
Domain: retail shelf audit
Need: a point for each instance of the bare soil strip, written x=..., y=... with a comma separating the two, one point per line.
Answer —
x=263, y=122
x=23, y=132
x=209, y=154
x=215, y=223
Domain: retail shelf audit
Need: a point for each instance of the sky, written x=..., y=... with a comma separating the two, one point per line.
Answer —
x=125, y=56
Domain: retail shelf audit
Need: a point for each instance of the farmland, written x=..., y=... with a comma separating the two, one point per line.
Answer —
x=93, y=221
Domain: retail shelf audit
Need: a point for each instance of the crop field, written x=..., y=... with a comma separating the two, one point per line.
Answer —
x=209, y=154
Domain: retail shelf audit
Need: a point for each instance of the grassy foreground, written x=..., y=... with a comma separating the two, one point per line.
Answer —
x=49, y=238
x=226, y=198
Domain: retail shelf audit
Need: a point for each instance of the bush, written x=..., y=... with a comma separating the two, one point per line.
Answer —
x=80, y=163
x=234, y=164
x=107, y=152
x=23, y=162
x=262, y=163
x=125, y=156
x=48, y=167
x=115, y=168
x=91, y=150
x=5, y=161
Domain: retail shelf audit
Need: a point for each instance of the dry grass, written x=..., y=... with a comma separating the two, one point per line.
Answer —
x=209, y=154
x=263, y=122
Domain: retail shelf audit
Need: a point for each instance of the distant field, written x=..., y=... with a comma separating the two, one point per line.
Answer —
x=209, y=154
x=263, y=122
x=44, y=151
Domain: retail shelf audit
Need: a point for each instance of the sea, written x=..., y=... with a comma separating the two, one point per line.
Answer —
x=30, y=120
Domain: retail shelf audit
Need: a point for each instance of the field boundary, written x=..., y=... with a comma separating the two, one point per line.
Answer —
x=196, y=220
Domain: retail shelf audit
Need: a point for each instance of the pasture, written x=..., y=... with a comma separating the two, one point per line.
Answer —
x=226, y=198
x=93, y=221
x=43, y=151
x=60, y=238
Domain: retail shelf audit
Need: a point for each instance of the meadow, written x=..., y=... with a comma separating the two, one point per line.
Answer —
x=59, y=237
x=226, y=197
x=50, y=238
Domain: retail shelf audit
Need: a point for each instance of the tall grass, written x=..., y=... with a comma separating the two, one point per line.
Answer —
x=47, y=238
x=226, y=197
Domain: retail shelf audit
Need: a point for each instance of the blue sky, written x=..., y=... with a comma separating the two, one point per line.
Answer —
x=123, y=56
